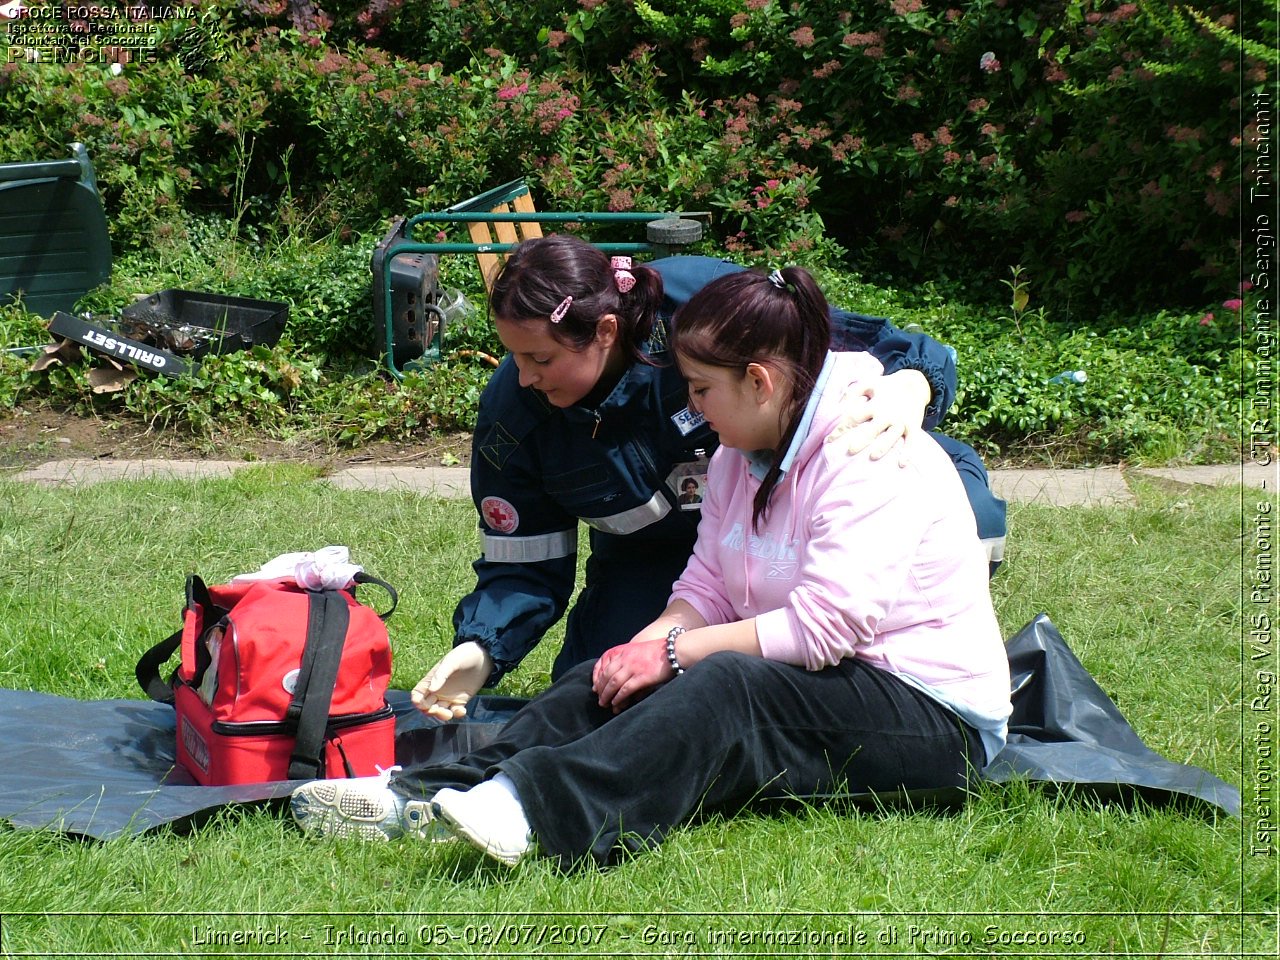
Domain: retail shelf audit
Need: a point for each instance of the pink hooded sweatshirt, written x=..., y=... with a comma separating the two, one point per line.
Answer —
x=856, y=558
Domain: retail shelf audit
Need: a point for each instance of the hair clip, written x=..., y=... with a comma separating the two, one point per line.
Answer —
x=622, y=275
x=777, y=280
x=558, y=313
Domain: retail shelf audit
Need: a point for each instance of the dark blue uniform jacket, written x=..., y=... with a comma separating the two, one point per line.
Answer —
x=537, y=470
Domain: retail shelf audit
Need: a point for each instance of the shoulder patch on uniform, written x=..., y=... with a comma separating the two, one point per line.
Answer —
x=658, y=338
x=499, y=514
x=498, y=446
x=687, y=421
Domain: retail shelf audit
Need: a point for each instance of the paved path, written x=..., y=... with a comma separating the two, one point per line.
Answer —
x=1087, y=487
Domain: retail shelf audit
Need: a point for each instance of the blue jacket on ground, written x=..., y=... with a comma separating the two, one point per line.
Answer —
x=537, y=470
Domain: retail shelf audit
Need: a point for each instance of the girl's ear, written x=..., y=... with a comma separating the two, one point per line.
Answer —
x=763, y=382
x=607, y=330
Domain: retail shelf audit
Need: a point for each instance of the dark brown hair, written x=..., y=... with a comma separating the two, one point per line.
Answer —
x=747, y=317
x=540, y=273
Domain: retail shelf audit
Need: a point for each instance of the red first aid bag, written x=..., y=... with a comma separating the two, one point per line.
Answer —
x=277, y=682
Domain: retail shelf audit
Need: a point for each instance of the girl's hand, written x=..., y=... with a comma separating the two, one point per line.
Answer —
x=629, y=672
x=883, y=416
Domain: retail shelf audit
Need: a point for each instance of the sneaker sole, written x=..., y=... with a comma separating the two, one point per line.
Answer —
x=325, y=809
x=461, y=829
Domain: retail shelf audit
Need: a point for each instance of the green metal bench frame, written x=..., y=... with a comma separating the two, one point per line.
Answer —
x=508, y=211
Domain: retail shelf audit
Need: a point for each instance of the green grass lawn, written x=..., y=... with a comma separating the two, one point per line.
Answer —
x=1148, y=596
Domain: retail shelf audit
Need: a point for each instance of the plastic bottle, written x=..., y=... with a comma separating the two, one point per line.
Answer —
x=454, y=305
x=209, y=682
x=1070, y=376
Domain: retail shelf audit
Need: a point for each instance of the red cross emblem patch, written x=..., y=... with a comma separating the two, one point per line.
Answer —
x=499, y=515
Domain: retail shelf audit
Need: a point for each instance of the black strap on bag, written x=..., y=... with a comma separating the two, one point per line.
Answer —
x=395, y=597
x=327, y=620
x=328, y=617
x=148, y=668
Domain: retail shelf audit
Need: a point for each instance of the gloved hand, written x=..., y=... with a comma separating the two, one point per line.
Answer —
x=458, y=676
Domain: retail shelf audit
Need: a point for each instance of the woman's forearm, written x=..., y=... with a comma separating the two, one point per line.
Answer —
x=697, y=644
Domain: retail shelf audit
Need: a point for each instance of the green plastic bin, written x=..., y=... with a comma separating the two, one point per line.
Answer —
x=54, y=246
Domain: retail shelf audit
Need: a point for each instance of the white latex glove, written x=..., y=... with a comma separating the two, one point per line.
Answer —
x=458, y=676
x=883, y=417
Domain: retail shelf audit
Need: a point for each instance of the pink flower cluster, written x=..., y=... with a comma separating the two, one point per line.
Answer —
x=621, y=201
x=1234, y=304
x=872, y=44
x=803, y=37
x=846, y=145
x=1219, y=201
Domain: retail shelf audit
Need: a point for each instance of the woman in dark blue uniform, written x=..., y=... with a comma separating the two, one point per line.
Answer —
x=587, y=419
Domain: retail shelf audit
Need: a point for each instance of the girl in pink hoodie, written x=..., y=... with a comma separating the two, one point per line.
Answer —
x=806, y=557
x=832, y=633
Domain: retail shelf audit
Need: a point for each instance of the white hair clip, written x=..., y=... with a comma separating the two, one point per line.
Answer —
x=777, y=280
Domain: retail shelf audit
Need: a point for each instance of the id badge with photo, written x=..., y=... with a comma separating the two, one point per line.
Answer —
x=688, y=481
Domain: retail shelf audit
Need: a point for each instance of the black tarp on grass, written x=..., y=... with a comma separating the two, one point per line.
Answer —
x=105, y=768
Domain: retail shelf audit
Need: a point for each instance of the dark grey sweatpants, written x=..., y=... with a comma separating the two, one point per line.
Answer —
x=731, y=730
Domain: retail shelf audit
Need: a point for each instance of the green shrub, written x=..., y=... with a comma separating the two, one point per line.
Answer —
x=1133, y=405
x=351, y=134
x=1158, y=387
x=266, y=151
x=259, y=390
x=728, y=156
x=1084, y=139
x=18, y=330
x=281, y=394
x=325, y=282
x=140, y=130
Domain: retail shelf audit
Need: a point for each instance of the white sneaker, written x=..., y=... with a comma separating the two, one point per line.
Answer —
x=364, y=807
x=489, y=816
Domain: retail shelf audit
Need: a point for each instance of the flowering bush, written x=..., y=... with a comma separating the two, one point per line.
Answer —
x=1083, y=139
x=729, y=156
x=138, y=129
x=350, y=135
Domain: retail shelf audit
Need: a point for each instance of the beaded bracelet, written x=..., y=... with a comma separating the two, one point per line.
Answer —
x=671, y=649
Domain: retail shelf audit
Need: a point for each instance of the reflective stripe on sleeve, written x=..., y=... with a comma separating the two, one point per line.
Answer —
x=995, y=549
x=547, y=546
x=629, y=521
